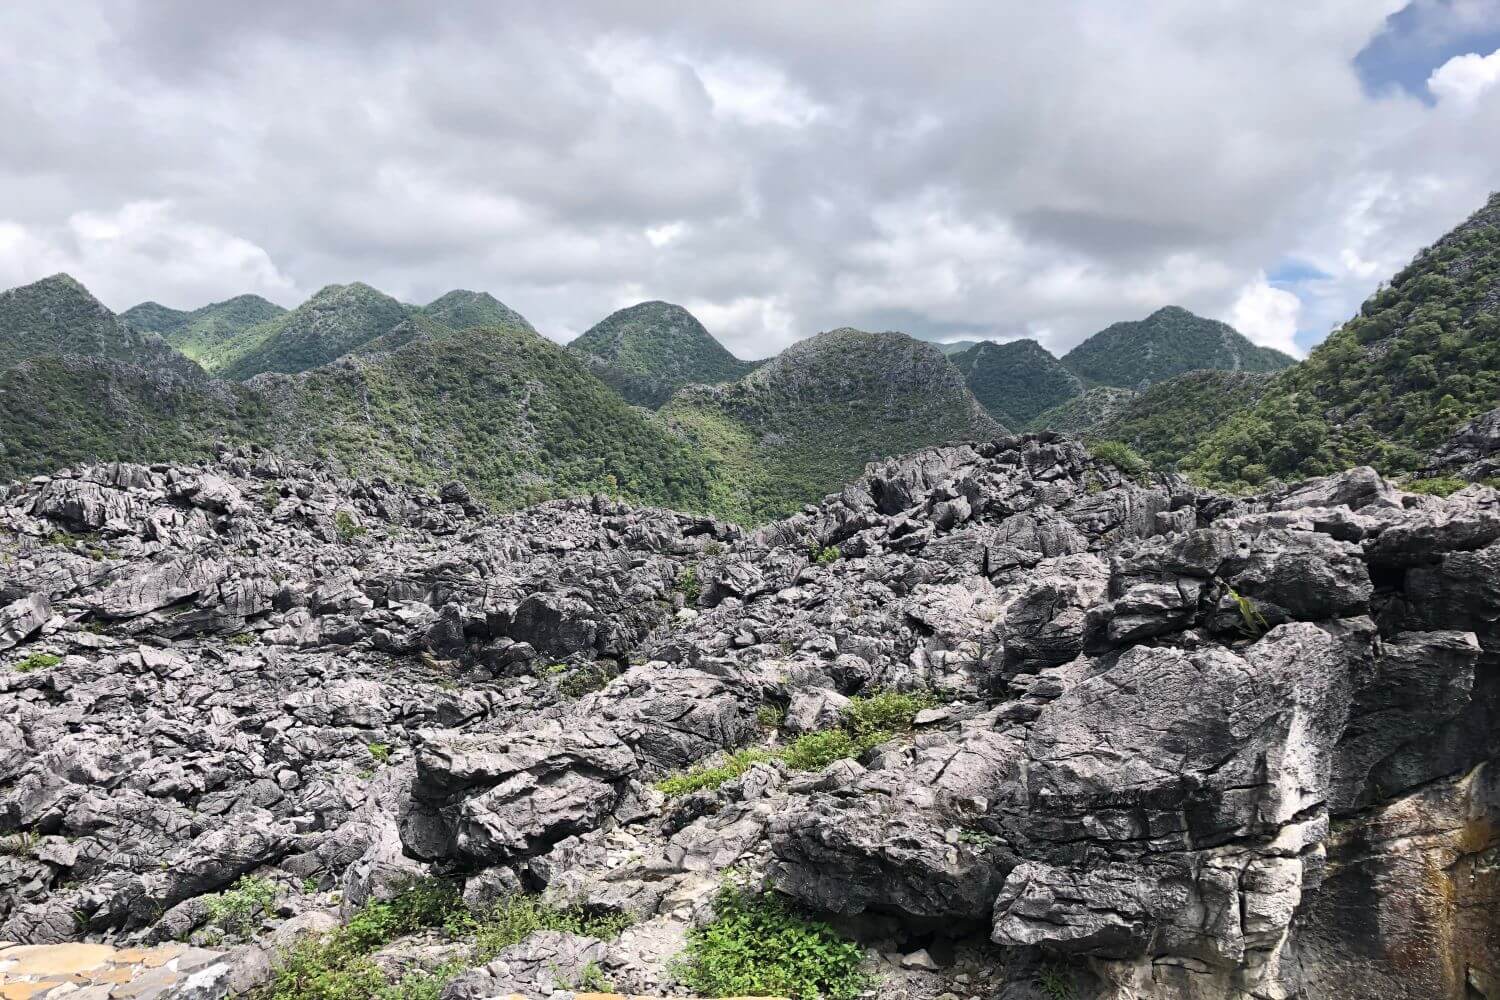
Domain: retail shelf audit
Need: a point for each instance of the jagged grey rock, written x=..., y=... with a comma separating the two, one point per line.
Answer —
x=1192, y=747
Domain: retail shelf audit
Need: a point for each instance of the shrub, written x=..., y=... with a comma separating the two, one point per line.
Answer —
x=884, y=714
x=37, y=661
x=581, y=680
x=815, y=751
x=379, y=752
x=236, y=909
x=770, y=716
x=761, y=946
x=346, y=527
x=1437, y=486
x=687, y=582
x=241, y=639
x=1120, y=455
x=698, y=778
x=824, y=555
x=515, y=917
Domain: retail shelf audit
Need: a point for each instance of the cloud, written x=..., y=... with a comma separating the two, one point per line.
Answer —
x=948, y=169
x=143, y=245
x=1267, y=315
x=1465, y=78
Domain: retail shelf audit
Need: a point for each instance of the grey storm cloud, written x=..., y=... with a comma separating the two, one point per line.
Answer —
x=950, y=169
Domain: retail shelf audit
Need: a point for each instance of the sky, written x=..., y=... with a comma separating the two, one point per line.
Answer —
x=995, y=169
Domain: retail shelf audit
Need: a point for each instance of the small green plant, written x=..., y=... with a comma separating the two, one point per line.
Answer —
x=1436, y=486
x=977, y=838
x=552, y=670
x=237, y=909
x=708, y=777
x=380, y=753
x=823, y=555
x=581, y=680
x=1252, y=621
x=688, y=583
x=1120, y=455
x=713, y=548
x=346, y=527
x=770, y=716
x=19, y=845
x=270, y=497
x=309, y=886
x=591, y=979
x=1055, y=982
x=37, y=661
x=513, y=918
x=241, y=639
x=762, y=946
x=884, y=714
x=815, y=751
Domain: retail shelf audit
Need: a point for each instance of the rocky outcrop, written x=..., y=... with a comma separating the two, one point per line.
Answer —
x=1177, y=745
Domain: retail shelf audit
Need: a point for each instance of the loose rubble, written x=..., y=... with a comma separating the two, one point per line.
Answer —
x=1179, y=745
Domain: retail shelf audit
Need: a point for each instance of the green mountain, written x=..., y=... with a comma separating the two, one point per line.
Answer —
x=1420, y=359
x=58, y=316
x=811, y=418
x=1017, y=380
x=502, y=408
x=650, y=350
x=1082, y=414
x=1170, y=419
x=63, y=410
x=330, y=324
x=461, y=309
x=1168, y=342
x=207, y=335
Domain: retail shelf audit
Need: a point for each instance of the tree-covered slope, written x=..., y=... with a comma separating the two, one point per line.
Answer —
x=461, y=309
x=501, y=408
x=57, y=316
x=208, y=335
x=64, y=410
x=650, y=350
x=811, y=418
x=1167, y=421
x=1169, y=342
x=1420, y=359
x=328, y=325
x=1081, y=414
x=1016, y=380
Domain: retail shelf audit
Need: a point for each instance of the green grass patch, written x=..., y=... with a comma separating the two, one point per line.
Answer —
x=37, y=661
x=337, y=965
x=865, y=723
x=380, y=753
x=238, y=909
x=1120, y=455
x=762, y=946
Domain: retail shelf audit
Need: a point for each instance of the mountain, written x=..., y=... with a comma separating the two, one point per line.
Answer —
x=1017, y=380
x=502, y=408
x=461, y=309
x=650, y=350
x=207, y=335
x=57, y=316
x=67, y=410
x=814, y=415
x=1171, y=418
x=1081, y=414
x=331, y=323
x=1421, y=359
x=1168, y=342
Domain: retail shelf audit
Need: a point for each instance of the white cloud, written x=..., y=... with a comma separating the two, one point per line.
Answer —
x=1267, y=315
x=787, y=168
x=1464, y=79
x=143, y=245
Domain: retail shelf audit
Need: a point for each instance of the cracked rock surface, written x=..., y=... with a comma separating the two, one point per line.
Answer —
x=1183, y=746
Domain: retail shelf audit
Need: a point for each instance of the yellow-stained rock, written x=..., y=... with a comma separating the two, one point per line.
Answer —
x=54, y=959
